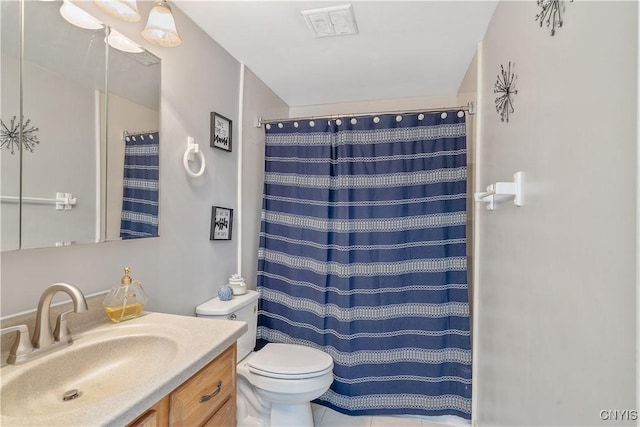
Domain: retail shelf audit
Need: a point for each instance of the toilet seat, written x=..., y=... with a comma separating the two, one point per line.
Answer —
x=289, y=361
x=278, y=375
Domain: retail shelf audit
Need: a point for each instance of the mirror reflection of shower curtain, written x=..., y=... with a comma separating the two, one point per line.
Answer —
x=140, y=186
x=363, y=255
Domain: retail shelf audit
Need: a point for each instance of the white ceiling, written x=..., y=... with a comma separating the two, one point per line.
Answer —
x=403, y=49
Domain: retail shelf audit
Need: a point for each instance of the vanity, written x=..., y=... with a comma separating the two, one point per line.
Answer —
x=206, y=399
x=155, y=370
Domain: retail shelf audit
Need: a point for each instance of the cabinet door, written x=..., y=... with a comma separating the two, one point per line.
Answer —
x=225, y=417
x=156, y=416
x=195, y=401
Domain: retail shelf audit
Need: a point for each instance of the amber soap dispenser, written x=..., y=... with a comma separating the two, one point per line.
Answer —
x=125, y=301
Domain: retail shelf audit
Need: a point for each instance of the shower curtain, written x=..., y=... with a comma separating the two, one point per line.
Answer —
x=139, y=217
x=362, y=255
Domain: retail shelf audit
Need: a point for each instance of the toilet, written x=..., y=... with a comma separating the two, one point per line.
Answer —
x=277, y=383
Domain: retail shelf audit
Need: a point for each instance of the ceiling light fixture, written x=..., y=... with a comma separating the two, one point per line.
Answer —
x=161, y=27
x=117, y=40
x=79, y=17
x=331, y=21
x=127, y=10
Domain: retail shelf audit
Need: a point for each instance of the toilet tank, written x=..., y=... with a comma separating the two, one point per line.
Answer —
x=240, y=307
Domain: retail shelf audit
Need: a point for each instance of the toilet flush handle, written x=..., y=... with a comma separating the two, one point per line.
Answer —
x=232, y=316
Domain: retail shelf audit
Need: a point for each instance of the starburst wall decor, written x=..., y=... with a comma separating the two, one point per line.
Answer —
x=505, y=87
x=551, y=14
x=10, y=135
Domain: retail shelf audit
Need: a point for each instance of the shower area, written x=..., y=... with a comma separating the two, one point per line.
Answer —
x=363, y=254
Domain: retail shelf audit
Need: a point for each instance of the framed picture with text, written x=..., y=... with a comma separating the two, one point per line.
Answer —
x=221, y=223
x=221, y=132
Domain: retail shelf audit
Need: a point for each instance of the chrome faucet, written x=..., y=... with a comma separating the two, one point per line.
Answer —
x=43, y=336
x=44, y=340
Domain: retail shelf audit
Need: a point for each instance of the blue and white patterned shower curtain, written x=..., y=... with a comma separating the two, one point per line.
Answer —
x=140, y=186
x=362, y=255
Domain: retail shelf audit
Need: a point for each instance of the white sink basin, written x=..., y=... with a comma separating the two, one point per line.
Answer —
x=98, y=367
x=119, y=370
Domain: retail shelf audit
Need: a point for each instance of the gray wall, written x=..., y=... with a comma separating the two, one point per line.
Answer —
x=376, y=105
x=556, y=294
x=181, y=268
x=259, y=100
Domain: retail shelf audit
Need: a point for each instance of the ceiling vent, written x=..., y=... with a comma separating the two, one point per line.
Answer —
x=331, y=21
x=145, y=57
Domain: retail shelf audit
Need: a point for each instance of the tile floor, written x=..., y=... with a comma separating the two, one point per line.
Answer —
x=326, y=417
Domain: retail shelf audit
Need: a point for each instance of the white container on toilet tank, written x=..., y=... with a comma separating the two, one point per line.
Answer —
x=237, y=284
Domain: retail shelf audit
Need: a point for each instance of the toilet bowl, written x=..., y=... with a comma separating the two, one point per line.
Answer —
x=287, y=377
x=277, y=383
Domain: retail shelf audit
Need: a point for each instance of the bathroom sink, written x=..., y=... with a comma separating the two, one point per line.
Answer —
x=119, y=370
x=115, y=364
x=99, y=365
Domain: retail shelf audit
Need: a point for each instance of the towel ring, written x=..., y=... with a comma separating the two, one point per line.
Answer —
x=189, y=155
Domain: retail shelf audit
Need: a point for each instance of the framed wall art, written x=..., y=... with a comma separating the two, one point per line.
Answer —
x=221, y=132
x=221, y=223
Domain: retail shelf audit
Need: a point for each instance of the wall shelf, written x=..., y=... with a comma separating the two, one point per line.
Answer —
x=502, y=191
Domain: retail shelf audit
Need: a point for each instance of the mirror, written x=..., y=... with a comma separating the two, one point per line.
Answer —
x=63, y=73
x=80, y=133
x=133, y=121
x=9, y=106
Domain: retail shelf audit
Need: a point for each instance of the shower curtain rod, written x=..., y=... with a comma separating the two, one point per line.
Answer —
x=126, y=133
x=470, y=108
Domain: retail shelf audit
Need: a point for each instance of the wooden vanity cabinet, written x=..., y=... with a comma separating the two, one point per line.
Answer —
x=156, y=416
x=206, y=399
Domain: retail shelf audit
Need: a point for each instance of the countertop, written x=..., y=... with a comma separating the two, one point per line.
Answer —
x=204, y=340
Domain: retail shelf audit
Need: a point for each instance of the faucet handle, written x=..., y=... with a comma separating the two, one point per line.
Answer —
x=62, y=332
x=21, y=346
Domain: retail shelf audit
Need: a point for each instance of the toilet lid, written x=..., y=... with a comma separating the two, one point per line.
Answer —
x=290, y=361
